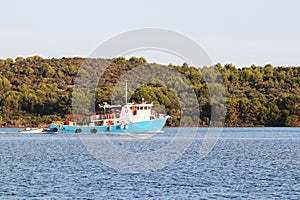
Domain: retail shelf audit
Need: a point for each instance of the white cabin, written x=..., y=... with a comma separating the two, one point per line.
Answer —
x=136, y=112
x=129, y=113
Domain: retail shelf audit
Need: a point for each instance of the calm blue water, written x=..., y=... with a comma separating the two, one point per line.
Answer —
x=246, y=163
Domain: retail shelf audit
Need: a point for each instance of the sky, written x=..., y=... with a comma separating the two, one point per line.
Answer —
x=230, y=31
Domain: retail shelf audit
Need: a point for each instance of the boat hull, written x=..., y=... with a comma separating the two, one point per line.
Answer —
x=154, y=125
x=35, y=130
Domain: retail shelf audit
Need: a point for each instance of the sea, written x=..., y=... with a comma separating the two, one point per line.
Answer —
x=236, y=163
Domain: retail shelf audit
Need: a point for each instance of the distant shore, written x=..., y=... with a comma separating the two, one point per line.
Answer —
x=36, y=91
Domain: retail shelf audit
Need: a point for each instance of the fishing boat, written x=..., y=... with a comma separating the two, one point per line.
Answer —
x=129, y=118
x=133, y=118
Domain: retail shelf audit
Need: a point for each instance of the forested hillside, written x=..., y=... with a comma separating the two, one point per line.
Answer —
x=35, y=91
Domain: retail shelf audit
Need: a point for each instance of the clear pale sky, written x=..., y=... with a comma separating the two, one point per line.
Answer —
x=231, y=31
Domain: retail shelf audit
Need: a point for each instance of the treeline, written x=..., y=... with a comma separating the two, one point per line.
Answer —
x=35, y=91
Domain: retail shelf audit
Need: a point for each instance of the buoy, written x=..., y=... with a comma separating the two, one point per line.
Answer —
x=126, y=126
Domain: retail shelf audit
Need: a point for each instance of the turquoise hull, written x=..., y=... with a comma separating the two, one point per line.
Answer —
x=137, y=127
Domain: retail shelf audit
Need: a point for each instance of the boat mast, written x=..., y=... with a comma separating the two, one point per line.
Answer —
x=126, y=92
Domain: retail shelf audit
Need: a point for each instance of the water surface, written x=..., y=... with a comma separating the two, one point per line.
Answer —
x=248, y=163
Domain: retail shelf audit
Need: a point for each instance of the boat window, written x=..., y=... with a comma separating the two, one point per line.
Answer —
x=138, y=108
x=142, y=107
x=145, y=108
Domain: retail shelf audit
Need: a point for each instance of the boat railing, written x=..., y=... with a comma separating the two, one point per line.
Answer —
x=104, y=116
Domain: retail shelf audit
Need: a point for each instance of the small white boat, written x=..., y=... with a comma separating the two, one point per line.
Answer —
x=33, y=130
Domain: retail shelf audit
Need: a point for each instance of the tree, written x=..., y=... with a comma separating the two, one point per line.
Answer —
x=5, y=85
x=292, y=120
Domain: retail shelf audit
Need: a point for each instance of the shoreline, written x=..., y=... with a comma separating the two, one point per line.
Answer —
x=47, y=126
